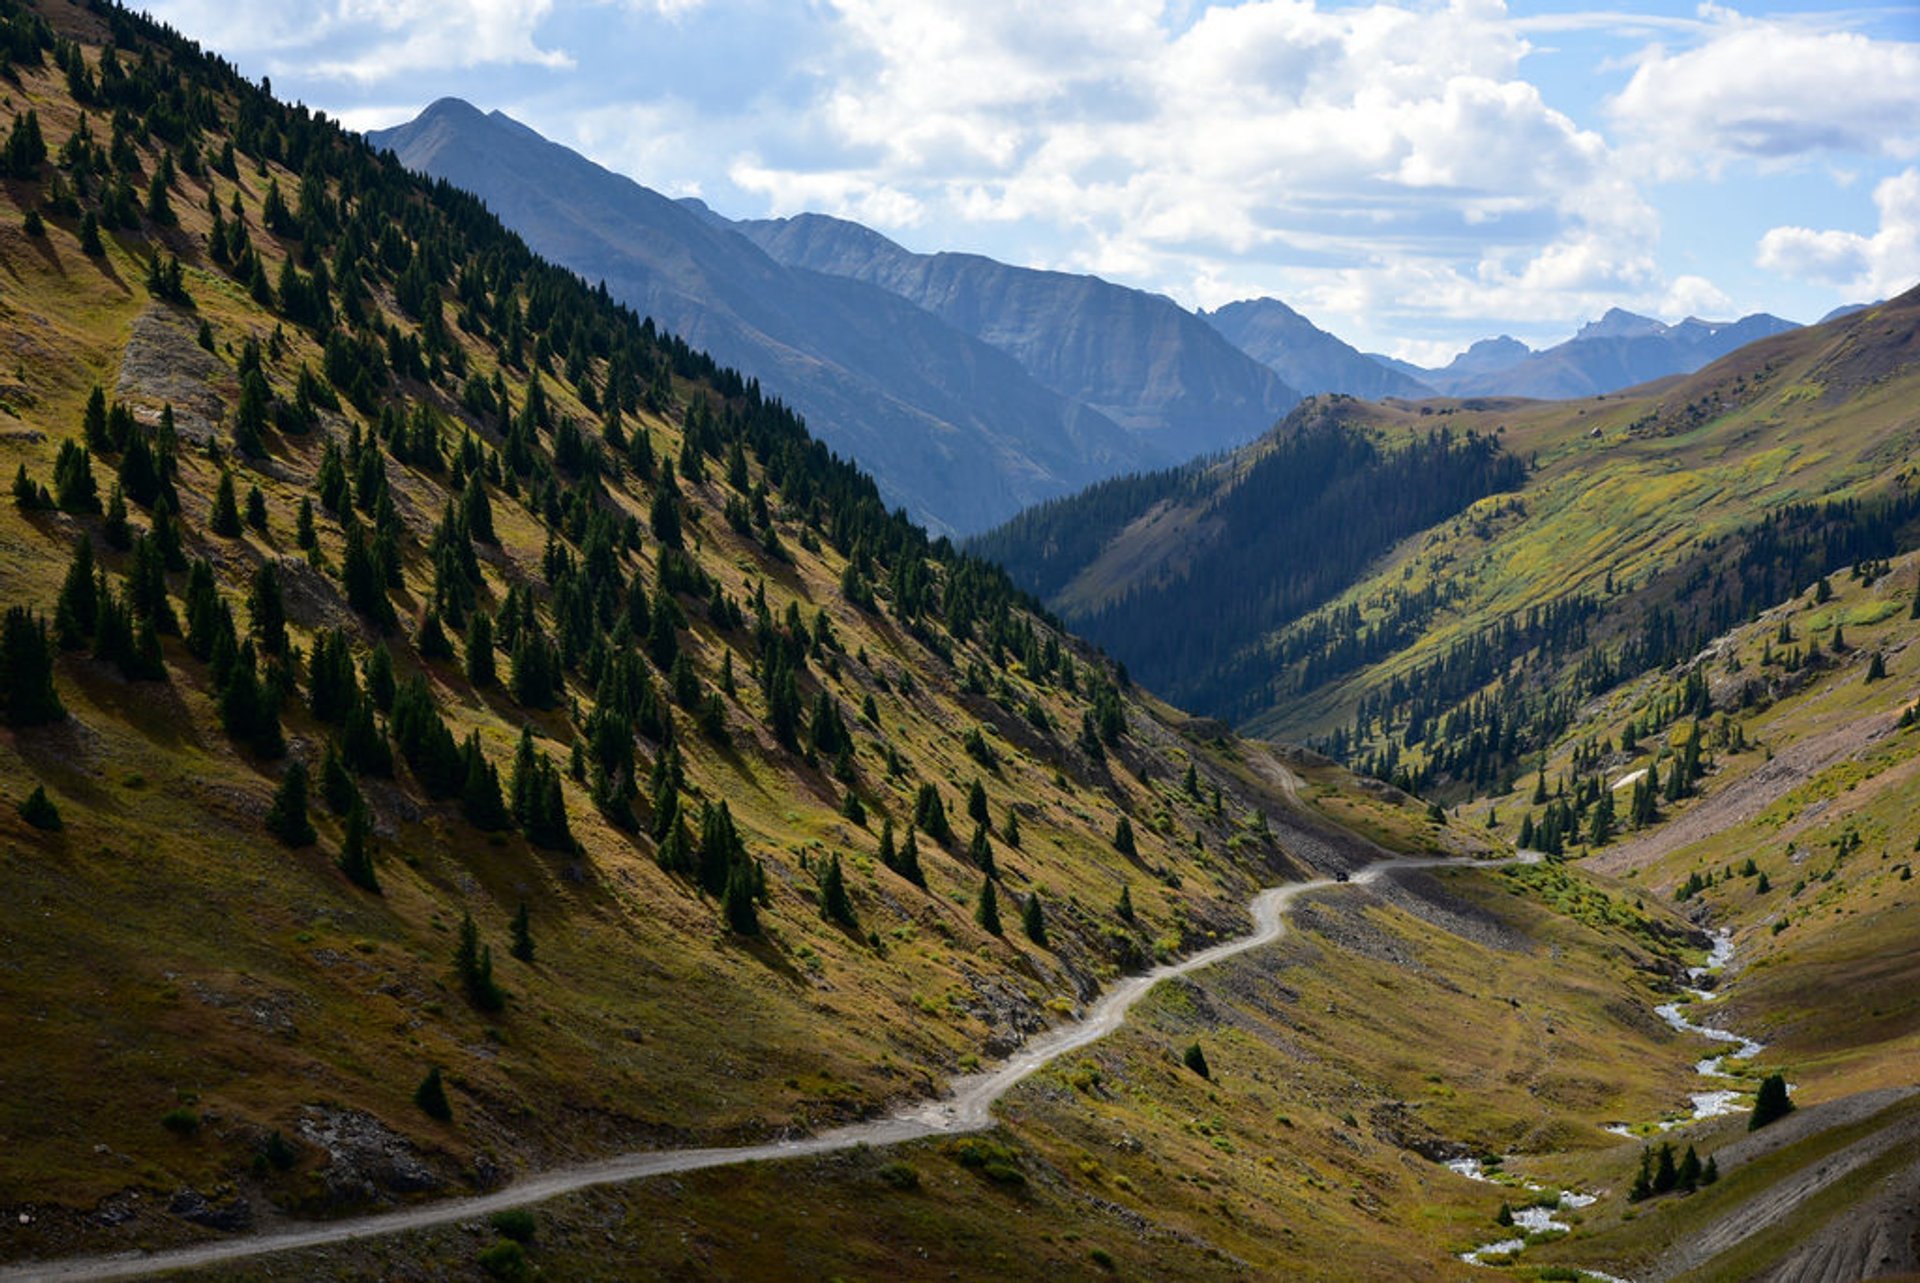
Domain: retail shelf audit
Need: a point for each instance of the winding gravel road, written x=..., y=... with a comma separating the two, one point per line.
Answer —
x=968, y=1108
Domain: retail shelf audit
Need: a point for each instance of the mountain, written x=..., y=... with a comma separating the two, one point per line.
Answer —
x=1646, y=522
x=950, y=426
x=1620, y=350
x=1138, y=358
x=486, y=789
x=1306, y=356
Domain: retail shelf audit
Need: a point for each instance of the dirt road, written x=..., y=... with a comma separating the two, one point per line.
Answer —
x=969, y=1108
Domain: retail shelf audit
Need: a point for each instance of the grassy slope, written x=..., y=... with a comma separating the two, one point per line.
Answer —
x=1463, y=1016
x=1627, y=484
x=1826, y=803
x=165, y=952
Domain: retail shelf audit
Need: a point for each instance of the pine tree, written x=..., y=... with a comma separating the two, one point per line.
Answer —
x=26, y=670
x=479, y=657
x=1688, y=1177
x=356, y=849
x=1123, y=839
x=337, y=786
x=1010, y=832
x=1034, y=921
x=1642, y=1188
x=78, y=610
x=1772, y=1102
x=431, y=1097
x=1665, y=1174
x=1711, y=1172
x=835, y=906
x=980, y=852
x=522, y=947
x=224, y=520
x=1196, y=1060
x=987, y=910
x=1876, y=668
x=38, y=810
x=737, y=903
x=287, y=817
x=1125, y=907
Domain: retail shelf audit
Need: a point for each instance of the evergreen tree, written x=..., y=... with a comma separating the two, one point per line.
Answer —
x=224, y=520
x=479, y=657
x=1771, y=1104
x=930, y=815
x=980, y=852
x=1688, y=1177
x=1123, y=839
x=1642, y=1188
x=473, y=963
x=38, y=810
x=78, y=610
x=1665, y=1174
x=1711, y=1172
x=1876, y=668
x=74, y=489
x=26, y=670
x=1033, y=920
x=835, y=906
x=356, y=849
x=337, y=786
x=1125, y=907
x=1196, y=1060
x=986, y=910
x=287, y=817
x=522, y=947
x=431, y=1097
x=737, y=902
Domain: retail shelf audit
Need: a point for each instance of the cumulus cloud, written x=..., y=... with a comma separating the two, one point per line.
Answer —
x=1771, y=92
x=1331, y=139
x=1876, y=266
x=368, y=42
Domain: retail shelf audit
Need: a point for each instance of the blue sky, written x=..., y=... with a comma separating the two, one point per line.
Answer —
x=1410, y=175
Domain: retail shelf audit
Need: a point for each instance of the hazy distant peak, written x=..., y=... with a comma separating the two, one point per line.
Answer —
x=1618, y=323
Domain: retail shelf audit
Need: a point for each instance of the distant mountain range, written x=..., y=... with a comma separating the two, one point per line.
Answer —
x=951, y=427
x=1140, y=359
x=1620, y=350
x=1308, y=357
x=970, y=388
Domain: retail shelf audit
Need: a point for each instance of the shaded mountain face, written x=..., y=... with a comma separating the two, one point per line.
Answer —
x=1138, y=358
x=1620, y=350
x=1306, y=356
x=951, y=427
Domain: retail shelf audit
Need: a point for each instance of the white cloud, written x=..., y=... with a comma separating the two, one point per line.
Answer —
x=1347, y=139
x=1862, y=267
x=1771, y=92
x=1694, y=296
x=368, y=42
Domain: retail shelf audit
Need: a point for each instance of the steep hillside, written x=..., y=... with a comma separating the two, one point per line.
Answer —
x=951, y=427
x=1306, y=356
x=452, y=726
x=454, y=732
x=1138, y=358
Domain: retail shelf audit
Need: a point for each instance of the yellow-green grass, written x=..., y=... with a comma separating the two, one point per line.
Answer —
x=1326, y=1062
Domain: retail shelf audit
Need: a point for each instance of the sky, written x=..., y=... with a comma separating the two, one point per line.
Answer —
x=1411, y=175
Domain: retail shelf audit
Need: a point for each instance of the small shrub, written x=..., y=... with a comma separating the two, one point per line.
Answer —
x=900, y=1176
x=38, y=810
x=506, y=1261
x=279, y=1151
x=181, y=1121
x=1103, y=1258
x=515, y=1223
x=431, y=1096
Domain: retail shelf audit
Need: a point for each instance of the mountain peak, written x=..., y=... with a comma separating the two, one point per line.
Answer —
x=1618, y=323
